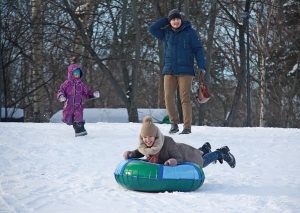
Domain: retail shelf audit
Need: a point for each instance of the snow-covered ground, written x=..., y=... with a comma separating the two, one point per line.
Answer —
x=45, y=169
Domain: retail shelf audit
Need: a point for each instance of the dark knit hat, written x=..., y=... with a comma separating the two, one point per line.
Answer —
x=175, y=13
x=148, y=127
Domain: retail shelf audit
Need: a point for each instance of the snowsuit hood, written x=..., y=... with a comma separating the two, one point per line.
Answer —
x=74, y=67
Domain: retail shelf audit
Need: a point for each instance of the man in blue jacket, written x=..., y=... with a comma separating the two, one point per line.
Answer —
x=182, y=45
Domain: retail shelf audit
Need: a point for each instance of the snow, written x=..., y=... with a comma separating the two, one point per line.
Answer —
x=113, y=115
x=12, y=112
x=294, y=70
x=289, y=3
x=45, y=169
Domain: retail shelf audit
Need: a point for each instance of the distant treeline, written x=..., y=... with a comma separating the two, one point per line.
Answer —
x=252, y=57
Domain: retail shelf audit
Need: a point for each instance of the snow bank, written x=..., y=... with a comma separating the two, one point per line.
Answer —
x=110, y=115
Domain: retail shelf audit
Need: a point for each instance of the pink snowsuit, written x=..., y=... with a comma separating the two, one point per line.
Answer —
x=74, y=90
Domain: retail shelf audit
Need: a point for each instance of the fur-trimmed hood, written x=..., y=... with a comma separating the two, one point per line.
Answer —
x=155, y=148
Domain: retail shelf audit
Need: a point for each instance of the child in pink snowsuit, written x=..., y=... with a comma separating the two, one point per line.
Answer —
x=73, y=91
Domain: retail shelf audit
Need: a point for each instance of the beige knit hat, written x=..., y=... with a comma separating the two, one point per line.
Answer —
x=148, y=127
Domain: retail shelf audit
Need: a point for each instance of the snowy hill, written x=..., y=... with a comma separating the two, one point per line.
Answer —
x=45, y=169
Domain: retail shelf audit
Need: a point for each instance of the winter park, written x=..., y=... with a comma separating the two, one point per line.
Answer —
x=153, y=106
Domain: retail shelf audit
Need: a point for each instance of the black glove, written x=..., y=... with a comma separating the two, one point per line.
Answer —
x=127, y=155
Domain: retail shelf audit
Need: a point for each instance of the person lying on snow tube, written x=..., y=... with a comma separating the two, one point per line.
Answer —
x=162, y=149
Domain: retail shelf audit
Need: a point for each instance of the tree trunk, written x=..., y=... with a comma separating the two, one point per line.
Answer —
x=236, y=103
x=186, y=8
x=262, y=95
x=1, y=70
x=160, y=95
x=84, y=13
x=81, y=55
x=262, y=46
x=241, y=76
x=132, y=111
x=37, y=40
x=160, y=92
x=209, y=45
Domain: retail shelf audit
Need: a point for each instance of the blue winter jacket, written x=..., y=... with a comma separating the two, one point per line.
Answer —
x=181, y=47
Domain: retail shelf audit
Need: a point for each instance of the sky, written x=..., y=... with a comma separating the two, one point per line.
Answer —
x=45, y=169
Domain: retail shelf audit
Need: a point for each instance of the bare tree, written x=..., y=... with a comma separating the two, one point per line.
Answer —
x=261, y=41
x=37, y=42
x=1, y=67
x=133, y=115
x=241, y=75
x=87, y=43
x=160, y=8
x=111, y=41
x=209, y=47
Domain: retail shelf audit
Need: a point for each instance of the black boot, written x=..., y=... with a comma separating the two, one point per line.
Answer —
x=205, y=148
x=227, y=156
x=75, y=127
x=186, y=131
x=174, y=128
x=79, y=129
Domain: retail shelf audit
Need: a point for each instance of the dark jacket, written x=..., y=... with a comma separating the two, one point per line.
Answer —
x=169, y=149
x=181, y=47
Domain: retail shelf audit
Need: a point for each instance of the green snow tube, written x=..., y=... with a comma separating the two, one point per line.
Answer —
x=140, y=175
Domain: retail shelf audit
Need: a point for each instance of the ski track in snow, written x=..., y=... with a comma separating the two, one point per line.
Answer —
x=45, y=169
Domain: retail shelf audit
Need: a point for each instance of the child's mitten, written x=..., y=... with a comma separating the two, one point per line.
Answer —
x=62, y=98
x=96, y=94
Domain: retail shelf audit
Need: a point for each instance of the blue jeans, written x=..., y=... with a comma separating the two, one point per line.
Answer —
x=211, y=157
